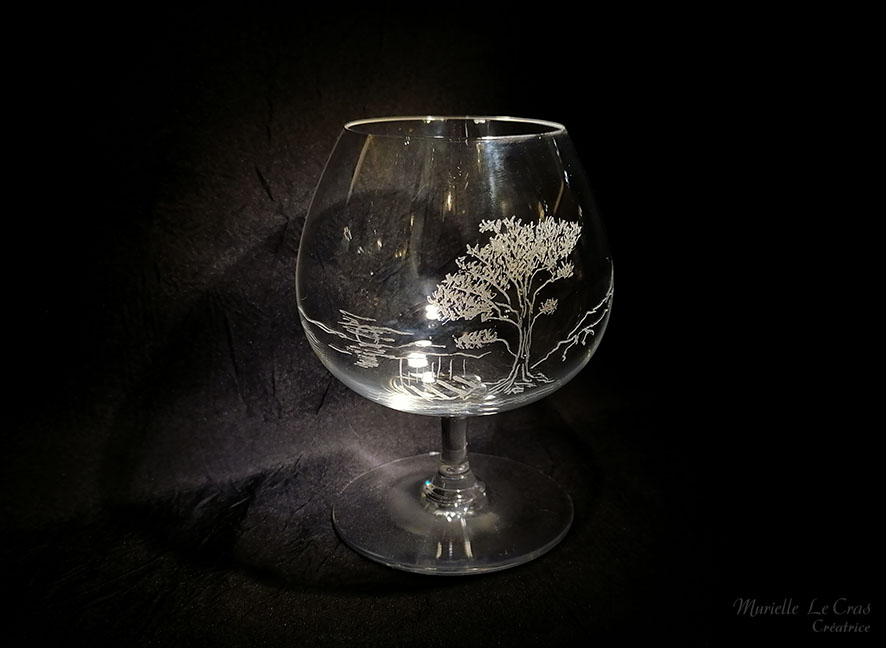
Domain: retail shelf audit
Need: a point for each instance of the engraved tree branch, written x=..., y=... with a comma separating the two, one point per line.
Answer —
x=478, y=339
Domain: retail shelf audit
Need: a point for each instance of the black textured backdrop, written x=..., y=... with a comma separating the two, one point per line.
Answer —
x=174, y=445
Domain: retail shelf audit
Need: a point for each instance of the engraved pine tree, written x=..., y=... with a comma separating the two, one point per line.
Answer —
x=502, y=281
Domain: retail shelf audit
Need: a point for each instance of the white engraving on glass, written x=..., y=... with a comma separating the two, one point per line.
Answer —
x=368, y=341
x=584, y=328
x=502, y=281
x=422, y=370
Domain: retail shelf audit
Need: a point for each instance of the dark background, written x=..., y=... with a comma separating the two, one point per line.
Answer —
x=174, y=445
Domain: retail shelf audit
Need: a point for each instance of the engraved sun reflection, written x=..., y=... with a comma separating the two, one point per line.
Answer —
x=432, y=312
x=417, y=360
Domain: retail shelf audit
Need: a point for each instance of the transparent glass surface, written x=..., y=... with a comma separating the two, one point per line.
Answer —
x=452, y=267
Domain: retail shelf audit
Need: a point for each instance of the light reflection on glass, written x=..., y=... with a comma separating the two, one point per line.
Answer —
x=417, y=360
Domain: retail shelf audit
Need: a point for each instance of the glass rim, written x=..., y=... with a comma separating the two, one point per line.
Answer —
x=555, y=128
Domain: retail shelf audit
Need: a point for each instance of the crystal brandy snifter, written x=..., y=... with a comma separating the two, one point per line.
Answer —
x=453, y=267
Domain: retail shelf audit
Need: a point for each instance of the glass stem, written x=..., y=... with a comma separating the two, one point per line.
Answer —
x=454, y=491
x=454, y=457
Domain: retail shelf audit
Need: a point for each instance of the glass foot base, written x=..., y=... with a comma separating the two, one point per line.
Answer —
x=382, y=516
